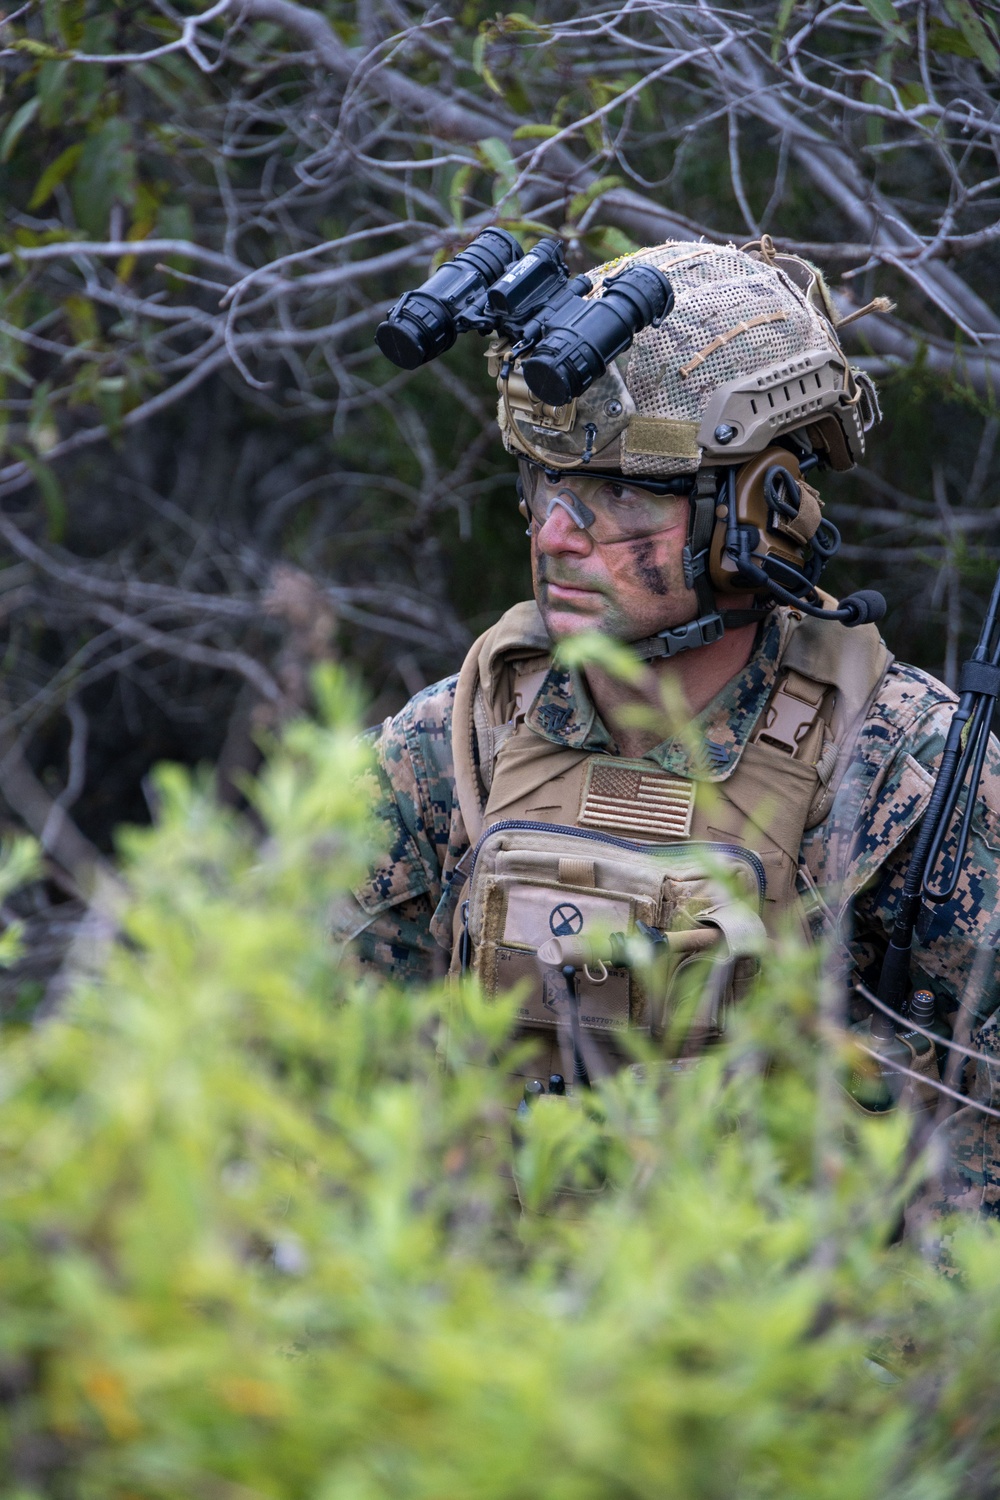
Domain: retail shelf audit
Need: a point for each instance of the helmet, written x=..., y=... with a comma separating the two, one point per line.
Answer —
x=743, y=378
x=748, y=354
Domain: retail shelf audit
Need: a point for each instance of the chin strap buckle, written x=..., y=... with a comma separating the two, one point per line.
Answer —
x=701, y=632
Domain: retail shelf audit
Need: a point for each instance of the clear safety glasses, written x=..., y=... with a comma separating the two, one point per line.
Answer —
x=609, y=507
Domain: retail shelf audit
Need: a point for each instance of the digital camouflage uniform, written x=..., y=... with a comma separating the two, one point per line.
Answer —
x=401, y=919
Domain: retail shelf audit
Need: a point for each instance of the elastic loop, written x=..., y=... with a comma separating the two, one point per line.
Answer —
x=593, y=977
x=979, y=677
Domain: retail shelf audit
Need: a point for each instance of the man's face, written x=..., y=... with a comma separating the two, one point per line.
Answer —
x=627, y=588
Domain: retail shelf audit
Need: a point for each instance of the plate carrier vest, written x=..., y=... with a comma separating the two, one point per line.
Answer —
x=575, y=854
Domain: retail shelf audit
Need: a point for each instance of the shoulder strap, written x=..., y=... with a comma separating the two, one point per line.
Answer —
x=851, y=661
x=800, y=747
x=486, y=701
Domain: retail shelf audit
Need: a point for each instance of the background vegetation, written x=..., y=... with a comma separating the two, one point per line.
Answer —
x=258, y=1238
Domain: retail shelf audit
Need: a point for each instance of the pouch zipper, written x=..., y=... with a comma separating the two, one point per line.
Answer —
x=519, y=824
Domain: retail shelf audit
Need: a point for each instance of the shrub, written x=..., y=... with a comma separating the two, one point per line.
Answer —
x=257, y=1234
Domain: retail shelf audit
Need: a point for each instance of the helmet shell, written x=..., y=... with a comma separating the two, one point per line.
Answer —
x=748, y=354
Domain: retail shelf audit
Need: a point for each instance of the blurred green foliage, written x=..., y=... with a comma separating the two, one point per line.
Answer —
x=258, y=1235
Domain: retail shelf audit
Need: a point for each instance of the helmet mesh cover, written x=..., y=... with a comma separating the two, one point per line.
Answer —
x=720, y=294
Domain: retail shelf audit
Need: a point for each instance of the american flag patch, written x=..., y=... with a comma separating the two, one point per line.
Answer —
x=649, y=803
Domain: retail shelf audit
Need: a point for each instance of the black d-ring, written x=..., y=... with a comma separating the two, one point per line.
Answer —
x=781, y=493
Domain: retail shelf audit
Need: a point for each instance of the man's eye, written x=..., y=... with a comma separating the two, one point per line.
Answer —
x=618, y=490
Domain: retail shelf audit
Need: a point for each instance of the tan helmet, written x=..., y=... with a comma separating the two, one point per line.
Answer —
x=747, y=358
x=748, y=354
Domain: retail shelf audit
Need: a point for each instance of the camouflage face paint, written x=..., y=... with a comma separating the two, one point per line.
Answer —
x=643, y=556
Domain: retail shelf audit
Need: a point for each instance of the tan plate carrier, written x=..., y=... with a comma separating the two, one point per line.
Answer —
x=602, y=842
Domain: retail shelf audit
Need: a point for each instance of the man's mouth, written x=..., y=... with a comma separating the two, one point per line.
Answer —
x=564, y=591
x=569, y=593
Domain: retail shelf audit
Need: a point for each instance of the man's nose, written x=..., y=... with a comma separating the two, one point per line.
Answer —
x=559, y=532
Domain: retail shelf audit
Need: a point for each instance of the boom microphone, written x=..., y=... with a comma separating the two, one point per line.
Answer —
x=867, y=607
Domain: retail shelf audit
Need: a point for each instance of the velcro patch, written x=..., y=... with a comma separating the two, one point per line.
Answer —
x=629, y=799
x=662, y=437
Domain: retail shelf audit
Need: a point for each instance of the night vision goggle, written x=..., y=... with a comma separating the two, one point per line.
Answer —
x=564, y=339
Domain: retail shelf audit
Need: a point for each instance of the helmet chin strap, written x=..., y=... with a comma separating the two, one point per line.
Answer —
x=701, y=631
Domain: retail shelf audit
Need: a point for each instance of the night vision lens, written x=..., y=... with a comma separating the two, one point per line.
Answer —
x=422, y=324
x=583, y=339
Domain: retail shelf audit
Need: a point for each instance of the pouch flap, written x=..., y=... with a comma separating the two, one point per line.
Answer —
x=742, y=929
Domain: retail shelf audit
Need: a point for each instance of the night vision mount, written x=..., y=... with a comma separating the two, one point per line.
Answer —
x=564, y=339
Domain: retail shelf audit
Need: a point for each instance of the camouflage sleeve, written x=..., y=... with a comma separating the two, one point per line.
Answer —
x=387, y=920
x=957, y=942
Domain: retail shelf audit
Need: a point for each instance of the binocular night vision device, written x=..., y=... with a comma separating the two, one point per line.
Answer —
x=564, y=341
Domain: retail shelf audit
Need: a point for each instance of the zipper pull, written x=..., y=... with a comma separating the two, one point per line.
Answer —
x=465, y=942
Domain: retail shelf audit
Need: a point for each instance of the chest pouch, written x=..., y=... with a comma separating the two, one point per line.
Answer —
x=601, y=934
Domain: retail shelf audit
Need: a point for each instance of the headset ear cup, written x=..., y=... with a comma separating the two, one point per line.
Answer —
x=777, y=516
x=727, y=539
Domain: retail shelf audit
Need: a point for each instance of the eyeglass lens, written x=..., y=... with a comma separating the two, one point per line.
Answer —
x=609, y=509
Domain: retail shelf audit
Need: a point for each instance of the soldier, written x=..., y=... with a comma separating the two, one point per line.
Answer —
x=530, y=809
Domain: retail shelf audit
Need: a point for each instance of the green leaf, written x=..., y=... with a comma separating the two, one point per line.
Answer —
x=11, y=944
x=532, y=132
x=941, y=38
x=36, y=49
x=13, y=371
x=495, y=154
x=594, y=136
x=458, y=189
x=55, y=173
x=516, y=21
x=781, y=26
x=601, y=91
x=82, y=318
x=70, y=23
x=885, y=13
x=490, y=81
x=608, y=244
x=18, y=124
x=50, y=490
x=912, y=94
x=105, y=175
x=975, y=33
x=20, y=862
x=487, y=34
x=111, y=402
x=582, y=201
x=53, y=78
x=175, y=222
x=592, y=649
